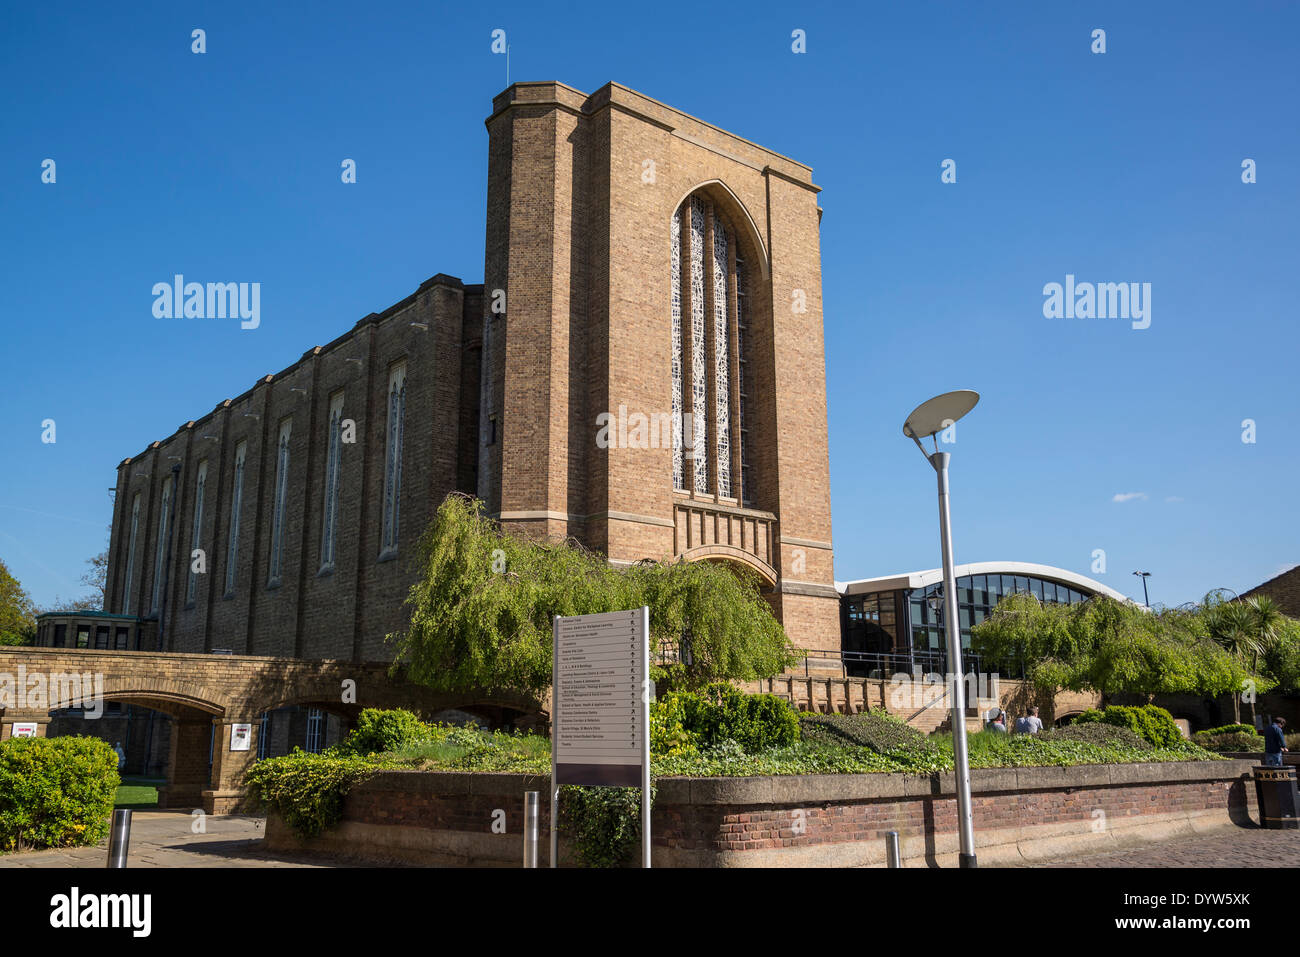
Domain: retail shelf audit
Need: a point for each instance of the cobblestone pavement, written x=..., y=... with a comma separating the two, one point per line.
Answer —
x=165, y=839
x=1238, y=847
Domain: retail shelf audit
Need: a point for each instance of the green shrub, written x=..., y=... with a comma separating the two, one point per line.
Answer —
x=605, y=824
x=1231, y=729
x=1099, y=734
x=692, y=721
x=880, y=731
x=378, y=731
x=668, y=734
x=307, y=790
x=56, y=792
x=1293, y=741
x=1154, y=724
x=1230, y=741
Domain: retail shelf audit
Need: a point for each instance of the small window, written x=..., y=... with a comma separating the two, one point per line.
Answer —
x=279, y=503
x=101, y=637
x=333, y=456
x=83, y=636
x=196, y=532
x=122, y=638
x=160, y=547
x=236, y=500
x=315, y=731
x=60, y=635
x=393, y=461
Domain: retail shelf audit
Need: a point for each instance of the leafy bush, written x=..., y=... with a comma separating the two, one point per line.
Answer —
x=1147, y=721
x=668, y=734
x=56, y=792
x=605, y=823
x=1293, y=741
x=880, y=731
x=1231, y=729
x=1101, y=735
x=1229, y=741
x=378, y=731
x=307, y=790
x=692, y=721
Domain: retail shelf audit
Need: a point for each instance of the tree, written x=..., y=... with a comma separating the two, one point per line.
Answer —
x=97, y=580
x=1233, y=625
x=1268, y=622
x=482, y=608
x=1105, y=646
x=17, y=613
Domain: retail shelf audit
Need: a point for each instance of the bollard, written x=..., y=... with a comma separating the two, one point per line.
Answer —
x=892, y=850
x=530, y=828
x=119, y=838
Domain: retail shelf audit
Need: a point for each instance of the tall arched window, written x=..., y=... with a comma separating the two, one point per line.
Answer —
x=709, y=366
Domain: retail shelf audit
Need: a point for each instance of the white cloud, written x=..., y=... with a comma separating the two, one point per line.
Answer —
x=1129, y=497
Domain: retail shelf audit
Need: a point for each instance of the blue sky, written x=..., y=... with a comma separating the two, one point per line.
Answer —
x=1122, y=166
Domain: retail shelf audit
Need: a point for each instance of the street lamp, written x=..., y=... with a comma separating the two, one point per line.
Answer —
x=926, y=420
x=1144, y=576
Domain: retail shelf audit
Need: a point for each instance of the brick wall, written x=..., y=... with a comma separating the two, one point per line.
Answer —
x=810, y=820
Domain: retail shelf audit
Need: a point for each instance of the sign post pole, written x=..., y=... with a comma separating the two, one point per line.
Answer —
x=600, y=709
x=555, y=741
x=645, y=736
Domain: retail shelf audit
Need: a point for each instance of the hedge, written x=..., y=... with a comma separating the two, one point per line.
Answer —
x=56, y=792
x=1154, y=724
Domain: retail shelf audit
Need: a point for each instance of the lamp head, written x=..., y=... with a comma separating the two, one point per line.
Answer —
x=934, y=415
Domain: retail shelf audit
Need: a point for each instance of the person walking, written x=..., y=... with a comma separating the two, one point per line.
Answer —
x=1274, y=742
x=1029, y=722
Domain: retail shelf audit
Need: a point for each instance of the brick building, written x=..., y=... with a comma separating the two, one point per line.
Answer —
x=643, y=370
x=1283, y=589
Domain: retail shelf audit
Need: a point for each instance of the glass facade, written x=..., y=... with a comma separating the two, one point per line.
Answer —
x=909, y=622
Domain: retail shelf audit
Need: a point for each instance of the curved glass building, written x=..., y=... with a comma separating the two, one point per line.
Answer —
x=894, y=623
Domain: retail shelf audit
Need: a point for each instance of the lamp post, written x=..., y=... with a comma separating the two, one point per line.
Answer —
x=926, y=420
x=1144, y=576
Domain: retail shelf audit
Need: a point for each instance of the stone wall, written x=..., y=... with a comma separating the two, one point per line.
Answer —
x=1020, y=814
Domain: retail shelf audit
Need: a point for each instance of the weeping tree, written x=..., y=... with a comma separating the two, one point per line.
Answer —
x=1109, y=647
x=481, y=610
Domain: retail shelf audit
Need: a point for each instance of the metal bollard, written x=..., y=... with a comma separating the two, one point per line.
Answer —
x=530, y=828
x=119, y=838
x=892, y=850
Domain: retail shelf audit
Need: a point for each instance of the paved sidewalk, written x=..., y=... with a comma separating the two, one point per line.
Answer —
x=1235, y=847
x=165, y=839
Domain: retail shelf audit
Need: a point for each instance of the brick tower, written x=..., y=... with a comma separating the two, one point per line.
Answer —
x=653, y=378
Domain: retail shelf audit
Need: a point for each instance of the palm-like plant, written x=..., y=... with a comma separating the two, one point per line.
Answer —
x=1234, y=626
x=1268, y=622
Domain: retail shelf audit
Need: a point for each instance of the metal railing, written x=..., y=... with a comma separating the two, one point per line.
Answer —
x=880, y=664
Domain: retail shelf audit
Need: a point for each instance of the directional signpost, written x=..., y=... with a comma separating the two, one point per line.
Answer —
x=600, y=709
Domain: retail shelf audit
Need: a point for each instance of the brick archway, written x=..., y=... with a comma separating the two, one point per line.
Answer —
x=729, y=553
x=207, y=694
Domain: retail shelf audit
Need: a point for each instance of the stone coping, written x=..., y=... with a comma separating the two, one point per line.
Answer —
x=814, y=788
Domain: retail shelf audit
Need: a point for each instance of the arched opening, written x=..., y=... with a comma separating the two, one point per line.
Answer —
x=164, y=742
x=311, y=724
x=746, y=562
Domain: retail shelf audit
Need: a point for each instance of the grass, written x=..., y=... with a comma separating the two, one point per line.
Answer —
x=831, y=744
x=138, y=793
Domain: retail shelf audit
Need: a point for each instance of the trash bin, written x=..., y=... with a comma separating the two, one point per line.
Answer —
x=1279, y=801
